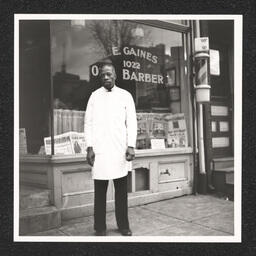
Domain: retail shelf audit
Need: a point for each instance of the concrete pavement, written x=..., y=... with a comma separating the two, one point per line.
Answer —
x=200, y=215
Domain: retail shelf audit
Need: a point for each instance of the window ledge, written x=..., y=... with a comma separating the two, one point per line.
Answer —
x=52, y=159
x=82, y=157
x=161, y=152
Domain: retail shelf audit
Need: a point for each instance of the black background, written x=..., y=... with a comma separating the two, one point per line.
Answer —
x=7, y=10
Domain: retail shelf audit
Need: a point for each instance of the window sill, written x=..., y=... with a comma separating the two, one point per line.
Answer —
x=161, y=152
x=82, y=157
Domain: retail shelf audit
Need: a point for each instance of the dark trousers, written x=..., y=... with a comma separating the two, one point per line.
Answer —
x=121, y=204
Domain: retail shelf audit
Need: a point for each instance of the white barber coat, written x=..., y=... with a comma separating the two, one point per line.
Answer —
x=110, y=127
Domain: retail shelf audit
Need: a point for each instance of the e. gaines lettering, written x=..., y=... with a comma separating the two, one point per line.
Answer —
x=137, y=52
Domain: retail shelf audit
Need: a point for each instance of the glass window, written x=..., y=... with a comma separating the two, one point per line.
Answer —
x=34, y=85
x=150, y=63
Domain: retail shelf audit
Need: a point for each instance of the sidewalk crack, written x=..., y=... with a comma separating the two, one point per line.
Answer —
x=205, y=226
x=155, y=211
x=187, y=221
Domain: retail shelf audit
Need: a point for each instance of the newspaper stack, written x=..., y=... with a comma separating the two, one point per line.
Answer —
x=66, y=144
x=177, y=131
x=157, y=126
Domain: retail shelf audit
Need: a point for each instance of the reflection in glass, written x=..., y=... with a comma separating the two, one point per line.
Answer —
x=149, y=63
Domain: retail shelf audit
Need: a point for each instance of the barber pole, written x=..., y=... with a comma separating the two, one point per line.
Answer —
x=202, y=77
x=202, y=74
x=202, y=68
x=202, y=60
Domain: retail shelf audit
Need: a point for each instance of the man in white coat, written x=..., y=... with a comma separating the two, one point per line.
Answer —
x=110, y=130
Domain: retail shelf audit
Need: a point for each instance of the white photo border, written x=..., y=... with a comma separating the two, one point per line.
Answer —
x=236, y=238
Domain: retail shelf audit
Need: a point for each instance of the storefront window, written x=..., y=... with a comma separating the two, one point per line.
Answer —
x=34, y=85
x=150, y=63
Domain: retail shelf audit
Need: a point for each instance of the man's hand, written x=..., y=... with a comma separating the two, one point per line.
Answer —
x=130, y=155
x=90, y=156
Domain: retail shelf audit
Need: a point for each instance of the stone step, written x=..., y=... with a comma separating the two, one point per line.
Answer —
x=230, y=178
x=31, y=197
x=223, y=181
x=225, y=170
x=34, y=220
x=230, y=186
x=224, y=162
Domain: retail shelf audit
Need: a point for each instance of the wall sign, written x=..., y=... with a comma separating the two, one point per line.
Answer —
x=220, y=142
x=214, y=126
x=224, y=126
x=201, y=44
x=219, y=111
x=214, y=62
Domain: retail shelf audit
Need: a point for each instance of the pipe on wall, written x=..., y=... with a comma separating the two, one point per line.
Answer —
x=200, y=118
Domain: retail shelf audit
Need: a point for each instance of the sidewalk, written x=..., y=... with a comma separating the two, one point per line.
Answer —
x=201, y=215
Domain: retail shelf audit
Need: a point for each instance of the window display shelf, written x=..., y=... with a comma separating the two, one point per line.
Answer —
x=161, y=152
x=52, y=158
x=82, y=157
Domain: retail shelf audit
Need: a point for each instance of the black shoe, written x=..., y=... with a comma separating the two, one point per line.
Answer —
x=125, y=232
x=100, y=233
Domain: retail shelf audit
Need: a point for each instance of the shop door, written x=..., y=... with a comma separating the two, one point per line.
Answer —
x=219, y=122
x=219, y=113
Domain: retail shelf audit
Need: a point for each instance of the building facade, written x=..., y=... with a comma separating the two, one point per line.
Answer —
x=180, y=143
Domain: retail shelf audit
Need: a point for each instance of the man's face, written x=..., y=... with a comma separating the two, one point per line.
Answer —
x=108, y=76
